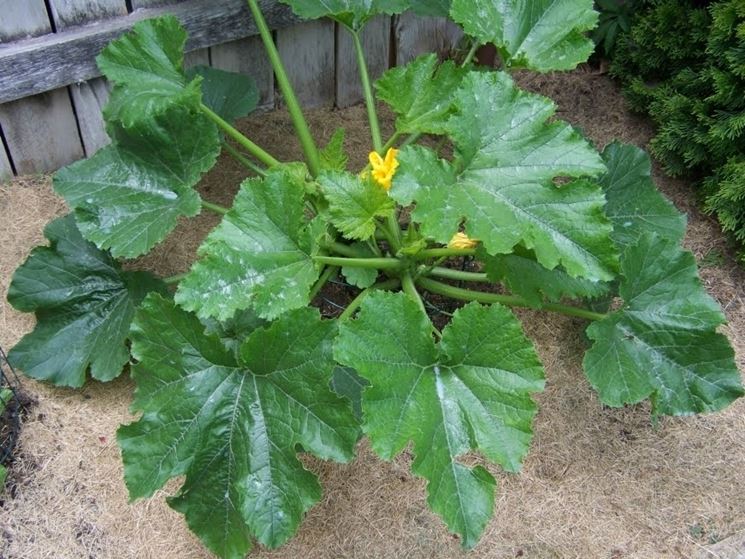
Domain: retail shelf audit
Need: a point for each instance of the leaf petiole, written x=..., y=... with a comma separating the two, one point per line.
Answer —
x=214, y=208
x=508, y=300
x=310, y=149
x=457, y=275
x=372, y=114
x=327, y=274
x=240, y=158
x=231, y=131
x=428, y=253
x=371, y=263
x=357, y=301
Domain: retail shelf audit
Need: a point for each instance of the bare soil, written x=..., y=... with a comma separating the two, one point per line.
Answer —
x=598, y=483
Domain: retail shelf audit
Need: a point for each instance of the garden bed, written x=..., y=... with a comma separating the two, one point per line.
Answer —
x=598, y=482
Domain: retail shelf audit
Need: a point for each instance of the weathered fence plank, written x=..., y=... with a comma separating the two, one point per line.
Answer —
x=418, y=35
x=6, y=171
x=44, y=63
x=88, y=98
x=71, y=13
x=41, y=131
x=307, y=50
x=20, y=19
x=247, y=56
x=376, y=40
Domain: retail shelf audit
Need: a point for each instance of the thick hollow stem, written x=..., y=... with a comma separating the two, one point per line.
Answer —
x=509, y=300
x=312, y=157
x=471, y=54
x=173, y=280
x=344, y=250
x=407, y=284
x=252, y=148
x=327, y=274
x=372, y=263
x=214, y=207
x=457, y=275
x=240, y=158
x=357, y=301
x=426, y=254
x=372, y=114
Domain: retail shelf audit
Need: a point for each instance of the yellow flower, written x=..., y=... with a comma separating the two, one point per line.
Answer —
x=461, y=240
x=384, y=169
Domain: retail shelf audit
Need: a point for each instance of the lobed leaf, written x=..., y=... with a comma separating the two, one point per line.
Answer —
x=421, y=93
x=259, y=257
x=353, y=14
x=146, y=66
x=232, y=423
x=129, y=195
x=635, y=206
x=501, y=183
x=229, y=94
x=542, y=35
x=355, y=203
x=663, y=343
x=525, y=277
x=470, y=392
x=333, y=157
x=84, y=304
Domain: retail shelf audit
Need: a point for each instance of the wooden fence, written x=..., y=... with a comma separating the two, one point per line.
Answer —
x=51, y=96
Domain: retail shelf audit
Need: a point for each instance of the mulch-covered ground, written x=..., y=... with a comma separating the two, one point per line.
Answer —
x=599, y=483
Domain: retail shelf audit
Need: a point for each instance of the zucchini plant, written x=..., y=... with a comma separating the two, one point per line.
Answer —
x=237, y=372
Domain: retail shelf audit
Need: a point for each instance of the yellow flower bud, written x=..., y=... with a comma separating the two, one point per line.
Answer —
x=384, y=169
x=461, y=240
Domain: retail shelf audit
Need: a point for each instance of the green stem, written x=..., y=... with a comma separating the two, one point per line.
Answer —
x=372, y=114
x=407, y=284
x=173, y=280
x=440, y=252
x=471, y=54
x=372, y=263
x=357, y=301
x=344, y=250
x=394, y=231
x=252, y=148
x=214, y=207
x=312, y=157
x=509, y=300
x=458, y=275
x=327, y=274
x=238, y=156
x=391, y=142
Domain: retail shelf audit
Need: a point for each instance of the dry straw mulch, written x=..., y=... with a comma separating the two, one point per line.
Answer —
x=599, y=483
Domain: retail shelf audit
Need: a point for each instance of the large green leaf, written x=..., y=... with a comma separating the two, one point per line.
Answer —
x=232, y=425
x=229, y=94
x=542, y=35
x=146, y=66
x=129, y=195
x=353, y=14
x=439, y=8
x=470, y=392
x=502, y=185
x=259, y=257
x=635, y=206
x=662, y=344
x=421, y=93
x=84, y=304
x=355, y=203
x=525, y=277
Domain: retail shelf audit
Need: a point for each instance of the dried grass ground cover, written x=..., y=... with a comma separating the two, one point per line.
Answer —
x=599, y=483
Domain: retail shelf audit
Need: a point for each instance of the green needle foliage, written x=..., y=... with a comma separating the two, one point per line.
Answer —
x=237, y=373
x=683, y=63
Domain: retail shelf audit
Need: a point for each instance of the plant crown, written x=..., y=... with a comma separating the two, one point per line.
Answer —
x=236, y=373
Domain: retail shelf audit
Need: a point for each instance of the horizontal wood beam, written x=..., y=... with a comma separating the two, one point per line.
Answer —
x=54, y=60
